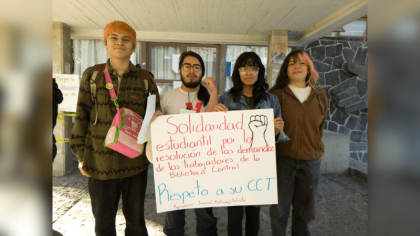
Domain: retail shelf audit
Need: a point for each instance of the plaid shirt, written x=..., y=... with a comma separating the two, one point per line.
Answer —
x=87, y=140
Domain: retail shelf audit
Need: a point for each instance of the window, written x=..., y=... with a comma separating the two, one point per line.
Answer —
x=164, y=62
x=357, y=28
x=88, y=52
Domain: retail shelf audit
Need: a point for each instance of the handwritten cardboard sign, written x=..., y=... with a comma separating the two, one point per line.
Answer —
x=214, y=159
x=69, y=86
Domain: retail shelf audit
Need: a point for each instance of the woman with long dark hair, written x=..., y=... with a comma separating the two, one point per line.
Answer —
x=249, y=92
x=304, y=108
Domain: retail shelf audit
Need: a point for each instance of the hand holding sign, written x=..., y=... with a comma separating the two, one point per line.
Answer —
x=220, y=107
x=278, y=125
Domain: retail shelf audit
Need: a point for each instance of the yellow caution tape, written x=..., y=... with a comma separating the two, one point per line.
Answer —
x=62, y=140
x=65, y=122
x=68, y=114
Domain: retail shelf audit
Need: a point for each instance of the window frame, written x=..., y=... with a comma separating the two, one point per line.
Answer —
x=360, y=19
x=184, y=47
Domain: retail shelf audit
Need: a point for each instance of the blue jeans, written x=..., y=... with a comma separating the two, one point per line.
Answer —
x=206, y=222
x=252, y=223
x=105, y=195
x=297, y=184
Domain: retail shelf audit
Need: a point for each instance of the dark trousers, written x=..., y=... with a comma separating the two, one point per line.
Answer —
x=252, y=222
x=54, y=148
x=54, y=151
x=297, y=184
x=206, y=222
x=105, y=195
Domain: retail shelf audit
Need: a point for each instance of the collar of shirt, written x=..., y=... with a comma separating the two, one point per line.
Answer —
x=111, y=71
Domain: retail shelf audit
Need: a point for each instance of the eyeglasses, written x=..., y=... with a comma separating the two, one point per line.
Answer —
x=187, y=67
x=254, y=70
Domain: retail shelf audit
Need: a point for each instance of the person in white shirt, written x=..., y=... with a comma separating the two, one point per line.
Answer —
x=190, y=97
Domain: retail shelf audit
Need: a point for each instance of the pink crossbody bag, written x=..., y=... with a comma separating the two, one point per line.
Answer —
x=125, y=127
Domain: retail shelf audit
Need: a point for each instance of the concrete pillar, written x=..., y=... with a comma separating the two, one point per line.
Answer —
x=62, y=53
x=222, y=70
x=277, y=52
x=62, y=64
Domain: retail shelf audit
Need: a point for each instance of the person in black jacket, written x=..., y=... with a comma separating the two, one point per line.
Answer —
x=57, y=99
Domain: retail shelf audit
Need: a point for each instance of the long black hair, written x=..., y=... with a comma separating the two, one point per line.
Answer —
x=260, y=87
x=203, y=95
x=282, y=78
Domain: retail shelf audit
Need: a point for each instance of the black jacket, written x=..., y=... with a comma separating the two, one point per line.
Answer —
x=57, y=99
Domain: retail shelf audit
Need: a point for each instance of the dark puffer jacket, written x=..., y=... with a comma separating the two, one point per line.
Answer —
x=57, y=99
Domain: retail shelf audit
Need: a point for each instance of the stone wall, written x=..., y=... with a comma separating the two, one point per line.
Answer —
x=342, y=66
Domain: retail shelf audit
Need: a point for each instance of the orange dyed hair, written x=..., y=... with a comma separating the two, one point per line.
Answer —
x=311, y=77
x=121, y=28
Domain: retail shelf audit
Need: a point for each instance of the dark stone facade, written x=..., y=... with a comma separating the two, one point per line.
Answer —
x=342, y=66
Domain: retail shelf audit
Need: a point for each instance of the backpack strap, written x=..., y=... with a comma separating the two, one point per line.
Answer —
x=98, y=71
x=145, y=77
x=147, y=81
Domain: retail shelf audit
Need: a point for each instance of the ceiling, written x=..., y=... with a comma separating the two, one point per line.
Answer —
x=210, y=21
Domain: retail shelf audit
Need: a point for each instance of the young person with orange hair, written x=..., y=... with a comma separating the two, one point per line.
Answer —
x=111, y=174
x=304, y=108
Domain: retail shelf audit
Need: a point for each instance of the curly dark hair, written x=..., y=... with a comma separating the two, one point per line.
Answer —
x=260, y=87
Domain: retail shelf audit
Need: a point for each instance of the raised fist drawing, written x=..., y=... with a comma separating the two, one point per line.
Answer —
x=258, y=126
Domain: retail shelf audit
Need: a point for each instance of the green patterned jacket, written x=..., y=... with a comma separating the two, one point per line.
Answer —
x=87, y=140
